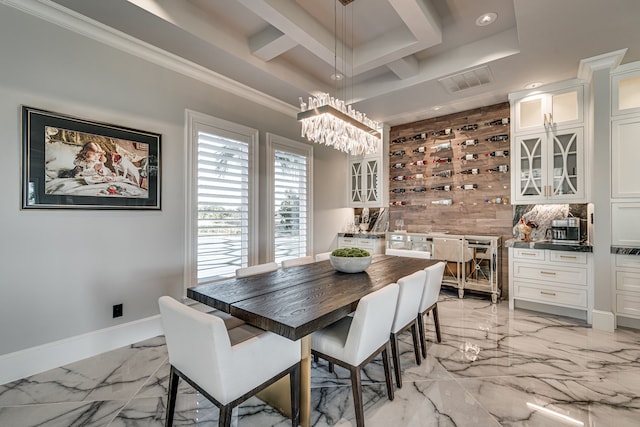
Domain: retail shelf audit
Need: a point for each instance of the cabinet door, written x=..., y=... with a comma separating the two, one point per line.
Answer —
x=625, y=93
x=356, y=184
x=566, y=165
x=624, y=224
x=529, y=168
x=529, y=113
x=625, y=152
x=372, y=181
x=550, y=110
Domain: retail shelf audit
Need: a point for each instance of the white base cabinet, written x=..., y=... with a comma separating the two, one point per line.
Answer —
x=626, y=276
x=557, y=278
x=375, y=245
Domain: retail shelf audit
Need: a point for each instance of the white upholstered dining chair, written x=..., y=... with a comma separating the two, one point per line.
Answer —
x=256, y=269
x=323, y=256
x=410, y=253
x=411, y=288
x=297, y=261
x=224, y=366
x=429, y=302
x=352, y=342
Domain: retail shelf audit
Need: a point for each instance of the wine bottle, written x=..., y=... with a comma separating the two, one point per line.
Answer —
x=442, y=188
x=398, y=153
x=416, y=176
x=398, y=166
x=418, y=136
x=443, y=146
x=442, y=132
x=443, y=174
x=498, y=122
x=498, y=138
x=469, y=142
x=442, y=160
x=447, y=202
x=399, y=140
x=469, y=186
x=419, y=163
x=469, y=128
x=469, y=157
x=419, y=189
x=501, y=168
x=398, y=178
x=398, y=190
x=398, y=203
x=497, y=201
x=470, y=172
x=499, y=153
x=420, y=150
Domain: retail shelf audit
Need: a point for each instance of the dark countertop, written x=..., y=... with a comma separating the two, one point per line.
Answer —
x=546, y=244
x=624, y=250
x=363, y=235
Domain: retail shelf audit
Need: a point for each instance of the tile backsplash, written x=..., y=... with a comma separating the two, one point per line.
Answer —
x=544, y=214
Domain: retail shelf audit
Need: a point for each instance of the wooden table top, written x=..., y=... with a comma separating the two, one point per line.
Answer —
x=296, y=301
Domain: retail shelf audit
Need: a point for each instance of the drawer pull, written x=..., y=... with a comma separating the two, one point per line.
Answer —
x=528, y=254
x=568, y=257
x=548, y=273
x=552, y=294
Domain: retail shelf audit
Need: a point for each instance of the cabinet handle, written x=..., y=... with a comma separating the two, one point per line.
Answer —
x=544, y=115
x=548, y=273
x=568, y=257
x=552, y=294
x=528, y=253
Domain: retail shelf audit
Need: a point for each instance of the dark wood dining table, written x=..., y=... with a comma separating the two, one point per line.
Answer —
x=297, y=301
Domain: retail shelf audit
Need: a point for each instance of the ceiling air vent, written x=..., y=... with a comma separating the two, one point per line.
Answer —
x=467, y=79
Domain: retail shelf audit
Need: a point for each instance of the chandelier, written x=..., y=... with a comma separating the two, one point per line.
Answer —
x=330, y=121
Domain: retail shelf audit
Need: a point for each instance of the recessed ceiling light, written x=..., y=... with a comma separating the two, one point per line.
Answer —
x=436, y=108
x=533, y=85
x=486, y=19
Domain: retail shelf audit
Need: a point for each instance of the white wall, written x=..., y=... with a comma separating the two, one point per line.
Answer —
x=62, y=270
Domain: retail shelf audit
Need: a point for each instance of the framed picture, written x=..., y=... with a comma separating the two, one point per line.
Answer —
x=72, y=163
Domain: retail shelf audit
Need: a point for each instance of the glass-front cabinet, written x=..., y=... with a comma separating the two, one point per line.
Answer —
x=549, y=166
x=365, y=181
x=544, y=111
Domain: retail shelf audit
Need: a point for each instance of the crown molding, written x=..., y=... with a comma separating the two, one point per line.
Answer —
x=600, y=62
x=80, y=24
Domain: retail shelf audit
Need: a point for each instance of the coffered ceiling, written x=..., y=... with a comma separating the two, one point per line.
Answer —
x=402, y=60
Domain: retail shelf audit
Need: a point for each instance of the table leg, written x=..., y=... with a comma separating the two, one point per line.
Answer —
x=278, y=395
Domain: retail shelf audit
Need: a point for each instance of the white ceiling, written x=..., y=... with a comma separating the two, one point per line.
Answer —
x=396, y=53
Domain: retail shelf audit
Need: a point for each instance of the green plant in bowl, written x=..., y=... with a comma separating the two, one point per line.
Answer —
x=350, y=260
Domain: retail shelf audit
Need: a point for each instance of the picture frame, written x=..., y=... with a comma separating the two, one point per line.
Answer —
x=74, y=163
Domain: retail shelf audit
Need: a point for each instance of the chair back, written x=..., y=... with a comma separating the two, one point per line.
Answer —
x=297, y=261
x=410, y=253
x=432, y=284
x=256, y=269
x=198, y=345
x=371, y=324
x=411, y=288
x=322, y=256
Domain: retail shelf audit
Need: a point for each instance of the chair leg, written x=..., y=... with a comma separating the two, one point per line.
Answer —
x=294, y=380
x=395, y=354
x=174, y=379
x=331, y=367
x=225, y=416
x=436, y=320
x=356, y=386
x=423, y=336
x=387, y=370
x=416, y=347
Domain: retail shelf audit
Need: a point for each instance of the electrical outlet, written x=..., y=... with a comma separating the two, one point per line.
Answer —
x=117, y=310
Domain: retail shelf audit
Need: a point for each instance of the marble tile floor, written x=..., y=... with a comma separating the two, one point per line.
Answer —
x=493, y=368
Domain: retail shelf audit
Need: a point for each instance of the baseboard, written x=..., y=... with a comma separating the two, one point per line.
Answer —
x=30, y=361
x=603, y=321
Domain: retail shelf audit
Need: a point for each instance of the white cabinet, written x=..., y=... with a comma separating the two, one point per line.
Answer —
x=549, y=148
x=625, y=94
x=543, y=111
x=625, y=224
x=550, y=277
x=375, y=245
x=549, y=167
x=626, y=276
x=625, y=153
x=365, y=184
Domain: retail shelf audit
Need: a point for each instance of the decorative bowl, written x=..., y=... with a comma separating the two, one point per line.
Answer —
x=350, y=264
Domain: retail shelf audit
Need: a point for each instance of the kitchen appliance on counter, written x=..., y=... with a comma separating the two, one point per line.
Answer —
x=565, y=230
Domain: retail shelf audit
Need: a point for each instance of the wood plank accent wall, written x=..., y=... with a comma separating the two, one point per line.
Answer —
x=470, y=212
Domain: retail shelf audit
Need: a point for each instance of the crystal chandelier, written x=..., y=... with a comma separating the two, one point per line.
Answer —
x=328, y=120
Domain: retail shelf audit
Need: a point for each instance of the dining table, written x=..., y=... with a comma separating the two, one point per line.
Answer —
x=296, y=301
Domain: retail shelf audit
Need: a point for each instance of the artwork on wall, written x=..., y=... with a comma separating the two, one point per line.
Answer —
x=73, y=163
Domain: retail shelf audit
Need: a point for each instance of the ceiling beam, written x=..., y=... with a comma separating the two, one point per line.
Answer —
x=405, y=67
x=270, y=43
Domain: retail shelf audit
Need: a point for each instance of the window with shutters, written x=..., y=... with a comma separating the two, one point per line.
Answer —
x=290, y=175
x=221, y=198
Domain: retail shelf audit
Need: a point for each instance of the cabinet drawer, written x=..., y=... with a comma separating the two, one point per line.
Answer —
x=568, y=257
x=628, y=281
x=628, y=304
x=365, y=243
x=550, y=295
x=346, y=242
x=632, y=261
x=571, y=275
x=530, y=254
